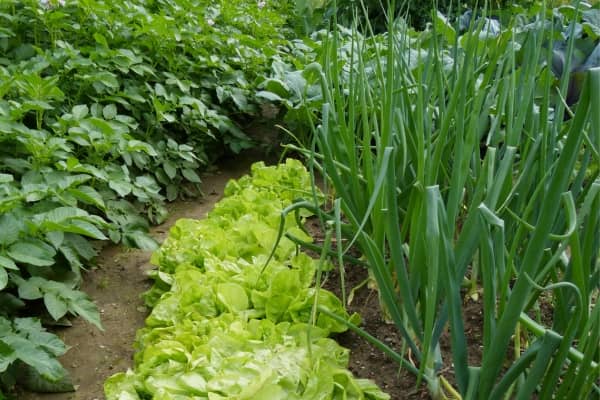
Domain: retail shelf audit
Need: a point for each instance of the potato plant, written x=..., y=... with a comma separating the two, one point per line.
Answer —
x=107, y=110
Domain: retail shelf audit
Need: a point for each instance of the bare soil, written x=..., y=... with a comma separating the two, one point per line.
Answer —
x=366, y=361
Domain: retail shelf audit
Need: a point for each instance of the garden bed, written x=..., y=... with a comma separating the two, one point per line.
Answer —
x=462, y=162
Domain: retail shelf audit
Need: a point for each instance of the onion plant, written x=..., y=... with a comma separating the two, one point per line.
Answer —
x=461, y=168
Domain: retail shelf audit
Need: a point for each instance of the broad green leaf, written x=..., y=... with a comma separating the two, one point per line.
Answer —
x=6, y=178
x=80, y=111
x=191, y=175
x=160, y=90
x=3, y=278
x=444, y=27
x=10, y=228
x=296, y=81
x=240, y=100
x=148, y=183
x=5, y=325
x=85, y=228
x=45, y=364
x=106, y=78
x=65, y=181
x=7, y=354
x=277, y=87
x=31, y=380
x=232, y=296
x=109, y=111
x=80, y=245
x=60, y=215
x=100, y=39
x=592, y=30
x=30, y=289
x=121, y=386
x=32, y=252
x=172, y=192
x=7, y=263
x=88, y=195
x=55, y=305
x=138, y=145
x=170, y=169
x=35, y=332
x=270, y=96
x=80, y=304
x=37, y=105
x=285, y=286
x=72, y=257
x=142, y=69
x=592, y=22
x=141, y=240
x=55, y=238
x=123, y=188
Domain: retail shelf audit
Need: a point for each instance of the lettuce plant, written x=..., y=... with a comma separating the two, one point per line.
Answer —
x=228, y=325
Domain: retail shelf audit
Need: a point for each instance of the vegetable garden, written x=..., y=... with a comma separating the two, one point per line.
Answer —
x=452, y=157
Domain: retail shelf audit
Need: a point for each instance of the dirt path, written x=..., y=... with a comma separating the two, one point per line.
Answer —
x=115, y=285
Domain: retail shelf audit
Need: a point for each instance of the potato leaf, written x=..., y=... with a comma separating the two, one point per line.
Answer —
x=27, y=341
x=3, y=277
x=55, y=305
x=7, y=263
x=10, y=227
x=34, y=252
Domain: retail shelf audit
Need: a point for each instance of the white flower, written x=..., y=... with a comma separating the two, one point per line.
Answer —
x=210, y=21
x=48, y=4
x=262, y=3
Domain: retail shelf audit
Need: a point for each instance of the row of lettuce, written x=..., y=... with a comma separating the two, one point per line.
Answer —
x=228, y=323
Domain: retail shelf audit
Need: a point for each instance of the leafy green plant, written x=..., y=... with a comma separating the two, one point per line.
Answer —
x=224, y=323
x=584, y=55
x=25, y=344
